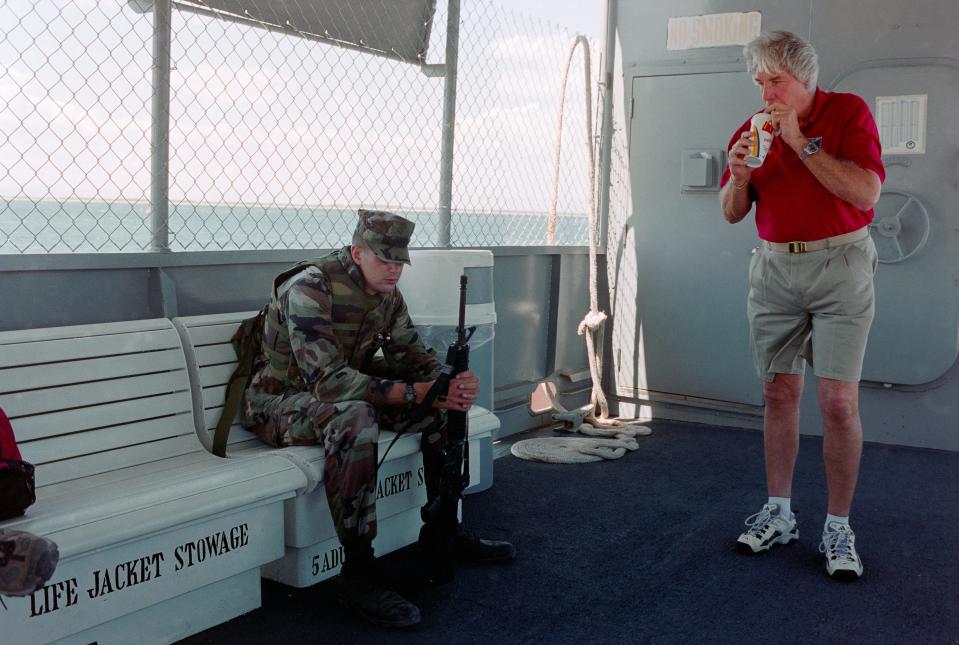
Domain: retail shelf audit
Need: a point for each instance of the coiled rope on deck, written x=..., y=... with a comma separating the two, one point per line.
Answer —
x=617, y=435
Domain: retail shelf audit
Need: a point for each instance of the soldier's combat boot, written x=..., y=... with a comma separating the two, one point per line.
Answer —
x=470, y=548
x=362, y=591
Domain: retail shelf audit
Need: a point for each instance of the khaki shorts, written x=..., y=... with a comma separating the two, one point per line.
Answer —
x=813, y=307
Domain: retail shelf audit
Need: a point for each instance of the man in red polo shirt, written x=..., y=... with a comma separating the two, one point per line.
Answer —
x=811, y=293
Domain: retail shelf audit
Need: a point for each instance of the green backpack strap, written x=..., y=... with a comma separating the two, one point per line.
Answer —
x=246, y=343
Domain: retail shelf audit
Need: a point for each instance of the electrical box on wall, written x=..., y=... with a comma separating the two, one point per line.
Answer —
x=701, y=169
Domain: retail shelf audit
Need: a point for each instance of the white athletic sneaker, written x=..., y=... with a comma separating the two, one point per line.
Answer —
x=839, y=545
x=767, y=528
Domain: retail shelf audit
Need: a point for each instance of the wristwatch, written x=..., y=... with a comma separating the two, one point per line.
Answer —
x=813, y=146
x=409, y=395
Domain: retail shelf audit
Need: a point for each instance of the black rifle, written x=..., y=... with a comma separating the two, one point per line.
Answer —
x=440, y=513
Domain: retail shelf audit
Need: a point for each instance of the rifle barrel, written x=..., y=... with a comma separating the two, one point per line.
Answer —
x=461, y=329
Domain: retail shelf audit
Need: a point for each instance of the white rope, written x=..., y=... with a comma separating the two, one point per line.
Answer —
x=559, y=450
x=551, y=222
x=592, y=324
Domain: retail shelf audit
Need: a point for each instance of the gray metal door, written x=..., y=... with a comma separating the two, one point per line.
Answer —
x=692, y=265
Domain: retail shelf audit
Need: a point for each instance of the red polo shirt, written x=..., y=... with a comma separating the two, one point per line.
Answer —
x=791, y=204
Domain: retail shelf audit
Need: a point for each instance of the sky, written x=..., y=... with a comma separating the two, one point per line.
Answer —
x=582, y=16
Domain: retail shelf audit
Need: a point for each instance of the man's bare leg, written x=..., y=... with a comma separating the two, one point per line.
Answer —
x=781, y=431
x=842, y=441
x=775, y=523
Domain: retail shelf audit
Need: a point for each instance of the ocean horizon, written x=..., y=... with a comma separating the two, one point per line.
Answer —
x=77, y=226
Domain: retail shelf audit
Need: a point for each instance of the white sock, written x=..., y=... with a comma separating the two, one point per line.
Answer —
x=830, y=518
x=783, y=504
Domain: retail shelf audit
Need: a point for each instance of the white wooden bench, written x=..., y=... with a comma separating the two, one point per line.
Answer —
x=158, y=539
x=312, y=549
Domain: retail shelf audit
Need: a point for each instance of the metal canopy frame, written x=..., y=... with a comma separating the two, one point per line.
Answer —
x=398, y=29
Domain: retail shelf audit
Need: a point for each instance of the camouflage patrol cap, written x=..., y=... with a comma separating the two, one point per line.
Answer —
x=387, y=234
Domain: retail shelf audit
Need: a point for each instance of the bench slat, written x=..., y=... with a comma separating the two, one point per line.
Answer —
x=83, y=394
x=100, y=462
x=81, y=331
x=71, y=446
x=209, y=320
x=238, y=434
x=37, y=376
x=54, y=424
x=69, y=349
x=121, y=479
x=215, y=354
x=216, y=374
x=214, y=394
x=219, y=333
x=152, y=507
x=212, y=415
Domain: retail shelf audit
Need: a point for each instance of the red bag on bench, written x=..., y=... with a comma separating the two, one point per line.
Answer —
x=17, y=487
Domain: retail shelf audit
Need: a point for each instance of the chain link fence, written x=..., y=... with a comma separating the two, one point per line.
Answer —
x=276, y=139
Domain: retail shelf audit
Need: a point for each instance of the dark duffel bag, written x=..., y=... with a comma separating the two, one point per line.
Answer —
x=17, y=486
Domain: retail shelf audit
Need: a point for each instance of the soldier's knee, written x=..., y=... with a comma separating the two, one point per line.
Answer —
x=362, y=418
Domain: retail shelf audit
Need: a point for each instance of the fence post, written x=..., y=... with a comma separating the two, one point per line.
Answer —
x=449, y=118
x=160, y=132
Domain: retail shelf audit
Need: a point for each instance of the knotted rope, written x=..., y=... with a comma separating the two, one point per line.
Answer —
x=593, y=322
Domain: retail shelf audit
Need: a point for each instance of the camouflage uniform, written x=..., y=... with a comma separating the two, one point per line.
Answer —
x=317, y=379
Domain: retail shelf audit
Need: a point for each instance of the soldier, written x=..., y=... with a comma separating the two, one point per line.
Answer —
x=317, y=381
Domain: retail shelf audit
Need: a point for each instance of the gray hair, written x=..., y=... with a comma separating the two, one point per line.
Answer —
x=782, y=51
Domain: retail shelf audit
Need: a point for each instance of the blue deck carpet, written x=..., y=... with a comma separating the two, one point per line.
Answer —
x=641, y=550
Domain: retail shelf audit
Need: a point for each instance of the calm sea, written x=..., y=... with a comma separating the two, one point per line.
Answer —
x=83, y=227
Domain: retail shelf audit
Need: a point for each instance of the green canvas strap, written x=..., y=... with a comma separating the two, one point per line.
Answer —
x=246, y=343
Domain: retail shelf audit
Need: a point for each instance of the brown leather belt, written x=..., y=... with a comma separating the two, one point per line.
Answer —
x=818, y=245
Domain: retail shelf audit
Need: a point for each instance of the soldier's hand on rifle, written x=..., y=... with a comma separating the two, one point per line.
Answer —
x=464, y=388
